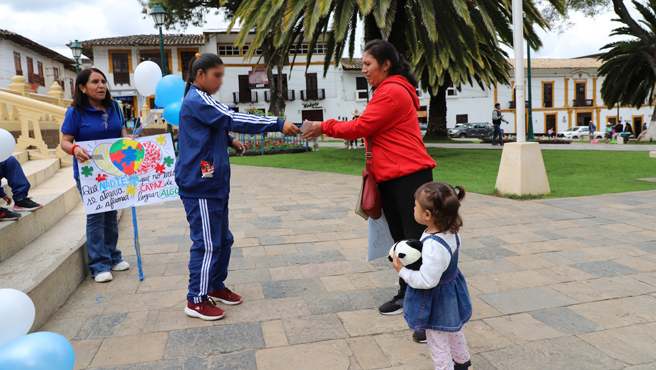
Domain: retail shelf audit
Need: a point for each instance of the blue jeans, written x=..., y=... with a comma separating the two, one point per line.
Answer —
x=497, y=132
x=13, y=172
x=102, y=237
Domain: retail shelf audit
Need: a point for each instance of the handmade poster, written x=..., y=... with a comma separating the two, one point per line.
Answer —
x=125, y=173
x=380, y=238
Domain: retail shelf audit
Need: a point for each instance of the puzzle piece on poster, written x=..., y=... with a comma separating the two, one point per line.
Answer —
x=161, y=140
x=133, y=180
x=160, y=168
x=87, y=171
x=168, y=161
x=131, y=190
x=100, y=178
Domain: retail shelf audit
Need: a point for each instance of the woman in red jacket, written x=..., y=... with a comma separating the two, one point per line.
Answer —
x=400, y=162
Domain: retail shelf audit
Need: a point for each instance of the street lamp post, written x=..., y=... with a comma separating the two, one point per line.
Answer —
x=159, y=15
x=76, y=48
x=530, y=135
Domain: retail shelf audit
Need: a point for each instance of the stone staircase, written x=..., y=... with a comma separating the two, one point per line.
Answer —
x=43, y=253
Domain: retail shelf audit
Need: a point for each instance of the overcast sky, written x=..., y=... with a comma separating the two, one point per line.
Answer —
x=53, y=23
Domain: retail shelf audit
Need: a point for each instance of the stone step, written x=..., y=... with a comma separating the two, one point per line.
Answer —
x=58, y=195
x=37, y=172
x=22, y=156
x=52, y=266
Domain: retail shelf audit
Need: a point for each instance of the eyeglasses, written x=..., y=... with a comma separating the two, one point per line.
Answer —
x=105, y=117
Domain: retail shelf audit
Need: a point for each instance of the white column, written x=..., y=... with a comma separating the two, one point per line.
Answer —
x=518, y=41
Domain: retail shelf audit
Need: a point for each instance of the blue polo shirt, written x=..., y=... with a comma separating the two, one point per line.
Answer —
x=87, y=124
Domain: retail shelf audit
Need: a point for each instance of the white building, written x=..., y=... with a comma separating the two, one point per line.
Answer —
x=310, y=95
x=565, y=93
x=38, y=64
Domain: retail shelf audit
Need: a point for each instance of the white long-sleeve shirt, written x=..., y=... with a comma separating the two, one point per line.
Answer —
x=435, y=260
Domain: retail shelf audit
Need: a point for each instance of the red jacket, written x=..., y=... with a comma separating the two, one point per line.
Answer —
x=391, y=121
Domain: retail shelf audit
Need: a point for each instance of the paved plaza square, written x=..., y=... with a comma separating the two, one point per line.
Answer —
x=555, y=284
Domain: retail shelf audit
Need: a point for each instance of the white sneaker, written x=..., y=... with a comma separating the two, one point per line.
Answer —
x=103, y=277
x=121, y=266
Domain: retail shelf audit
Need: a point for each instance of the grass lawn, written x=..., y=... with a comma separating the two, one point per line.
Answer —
x=570, y=172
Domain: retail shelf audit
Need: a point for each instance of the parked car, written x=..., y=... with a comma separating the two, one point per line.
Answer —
x=478, y=129
x=576, y=132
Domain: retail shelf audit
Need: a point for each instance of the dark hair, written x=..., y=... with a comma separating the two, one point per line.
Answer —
x=443, y=202
x=497, y=105
x=203, y=62
x=382, y=51
x=80, y=99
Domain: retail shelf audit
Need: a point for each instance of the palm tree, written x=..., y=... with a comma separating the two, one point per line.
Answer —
x=448, y=42
x=630, y=66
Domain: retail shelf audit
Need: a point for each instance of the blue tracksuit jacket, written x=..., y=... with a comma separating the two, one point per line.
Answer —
x=203, y=136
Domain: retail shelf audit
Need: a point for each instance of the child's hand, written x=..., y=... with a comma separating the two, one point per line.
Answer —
x=396, y=262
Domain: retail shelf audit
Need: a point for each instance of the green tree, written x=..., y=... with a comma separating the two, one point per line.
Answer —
x=449, y=43
x=183, y=13
x=630, y=66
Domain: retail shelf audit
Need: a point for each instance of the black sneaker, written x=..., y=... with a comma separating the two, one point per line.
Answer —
x=7, y=215
x=393, y=307
x=26, y=204
x=419, y=336
x=465, y=366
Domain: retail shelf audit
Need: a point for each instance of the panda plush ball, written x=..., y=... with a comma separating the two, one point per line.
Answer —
x=409, y=252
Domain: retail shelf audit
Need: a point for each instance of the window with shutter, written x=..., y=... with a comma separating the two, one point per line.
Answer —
x=30, y=70
x=41, y=78
x=17, y=64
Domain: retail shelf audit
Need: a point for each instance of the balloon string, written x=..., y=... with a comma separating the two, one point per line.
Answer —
x=144, y=125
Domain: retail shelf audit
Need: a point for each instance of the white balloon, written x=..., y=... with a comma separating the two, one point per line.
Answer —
x=7, y=145
x=146, y=77
x=16, y=315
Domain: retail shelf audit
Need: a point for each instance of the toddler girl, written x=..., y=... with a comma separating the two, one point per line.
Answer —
x=437, y=300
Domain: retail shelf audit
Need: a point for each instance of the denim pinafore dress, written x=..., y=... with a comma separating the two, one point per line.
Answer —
x=447, y=306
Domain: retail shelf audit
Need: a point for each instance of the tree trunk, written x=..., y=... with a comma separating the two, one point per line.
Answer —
x=271, y=57
x=437, y=113
x=650, y=133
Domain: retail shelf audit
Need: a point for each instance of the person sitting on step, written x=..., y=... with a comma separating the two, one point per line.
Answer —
x=13, y=172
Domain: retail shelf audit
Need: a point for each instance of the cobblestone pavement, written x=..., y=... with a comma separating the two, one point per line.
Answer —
x=555, y=284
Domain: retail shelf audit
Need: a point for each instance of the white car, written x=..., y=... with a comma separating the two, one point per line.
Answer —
x=576, y=132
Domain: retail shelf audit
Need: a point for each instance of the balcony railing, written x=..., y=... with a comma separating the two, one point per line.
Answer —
x=291, y=95
x=121, y=78
x=245, y=97
x=318, y=94
x=582, y=103
x=513, y=106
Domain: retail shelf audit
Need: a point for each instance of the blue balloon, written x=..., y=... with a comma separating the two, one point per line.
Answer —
x=36, y=351
x=169, y=89
x=172, y=113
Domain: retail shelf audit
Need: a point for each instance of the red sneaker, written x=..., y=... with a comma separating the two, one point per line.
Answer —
x=226, y=296
x=206, y=310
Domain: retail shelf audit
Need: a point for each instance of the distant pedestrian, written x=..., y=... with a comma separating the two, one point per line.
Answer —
x=592, y=128
x=353, y=144
x=628, y=128
x=497, y=117
x=609, y=132
x=550, y=132
x=644, y=126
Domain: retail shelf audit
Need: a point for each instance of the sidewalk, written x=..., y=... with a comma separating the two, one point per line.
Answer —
x=573, y=146
x=555, y=284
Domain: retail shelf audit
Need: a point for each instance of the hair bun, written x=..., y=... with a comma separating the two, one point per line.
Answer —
x=197, y=55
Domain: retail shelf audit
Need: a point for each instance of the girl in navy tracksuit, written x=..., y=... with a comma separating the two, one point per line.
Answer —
x=202, y=173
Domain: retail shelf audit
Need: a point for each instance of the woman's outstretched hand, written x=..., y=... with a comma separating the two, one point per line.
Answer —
x=290, y=129
x=313, y=132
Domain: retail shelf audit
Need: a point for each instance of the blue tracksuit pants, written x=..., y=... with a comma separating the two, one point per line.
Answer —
x=13, y=172
x=212, y=242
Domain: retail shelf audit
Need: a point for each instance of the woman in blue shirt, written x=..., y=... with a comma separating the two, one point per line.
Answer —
x=95, y=116
x=202, y=173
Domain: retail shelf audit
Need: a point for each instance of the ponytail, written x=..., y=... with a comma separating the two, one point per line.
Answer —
x=382, y=51
x=443, y=202
x=203, y=62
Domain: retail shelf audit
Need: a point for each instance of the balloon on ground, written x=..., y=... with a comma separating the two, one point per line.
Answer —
x=38, y=351
x=172, y=113
x=146, y=77
x=16, y=315
x=7, y=145
x=169, y=89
